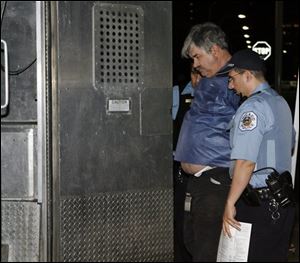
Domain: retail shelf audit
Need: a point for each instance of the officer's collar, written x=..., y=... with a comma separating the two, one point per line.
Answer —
x=260, y=88
x=223, y=72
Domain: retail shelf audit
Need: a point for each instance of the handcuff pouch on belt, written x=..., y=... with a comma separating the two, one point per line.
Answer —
x=280, y=188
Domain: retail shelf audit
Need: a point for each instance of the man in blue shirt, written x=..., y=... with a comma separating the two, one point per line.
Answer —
x=203, y=144
x=260, y=137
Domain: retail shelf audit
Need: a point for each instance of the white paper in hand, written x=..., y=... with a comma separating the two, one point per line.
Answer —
x=236, y=248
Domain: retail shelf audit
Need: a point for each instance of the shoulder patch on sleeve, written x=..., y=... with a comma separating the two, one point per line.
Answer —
x=248, y=121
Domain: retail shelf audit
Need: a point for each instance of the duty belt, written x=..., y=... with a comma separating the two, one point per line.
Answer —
x=264, y=193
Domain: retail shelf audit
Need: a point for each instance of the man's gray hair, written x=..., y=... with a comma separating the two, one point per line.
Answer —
x=204, y=36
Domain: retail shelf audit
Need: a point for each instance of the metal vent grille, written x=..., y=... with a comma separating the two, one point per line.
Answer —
x=118, y=43
x=133, y=226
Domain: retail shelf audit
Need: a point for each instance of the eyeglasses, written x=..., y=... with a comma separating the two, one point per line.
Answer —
x=231, y=78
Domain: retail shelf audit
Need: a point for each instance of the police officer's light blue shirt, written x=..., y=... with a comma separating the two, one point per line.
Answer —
x=262, y=133
x=175, y=106
x=188, y=89
x=203, y=138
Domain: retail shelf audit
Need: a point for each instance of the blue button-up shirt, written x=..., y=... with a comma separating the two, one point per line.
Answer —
x=203, y=138
x=262, y=133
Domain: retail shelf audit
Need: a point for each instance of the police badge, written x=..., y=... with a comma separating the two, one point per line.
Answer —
x=248, y=121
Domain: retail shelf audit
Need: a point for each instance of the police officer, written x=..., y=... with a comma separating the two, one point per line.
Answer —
x=203, y=146
x=260, y=137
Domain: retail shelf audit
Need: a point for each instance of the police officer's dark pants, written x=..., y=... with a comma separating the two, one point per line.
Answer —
x=269, y=239
x=203, y=224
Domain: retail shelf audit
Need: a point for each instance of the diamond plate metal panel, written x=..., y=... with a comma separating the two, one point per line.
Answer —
x=20, y=228
x=132, y=227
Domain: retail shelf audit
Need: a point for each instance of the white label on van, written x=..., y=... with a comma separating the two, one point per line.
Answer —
x=118, y=105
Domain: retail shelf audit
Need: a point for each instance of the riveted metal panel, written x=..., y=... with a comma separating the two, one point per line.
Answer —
x=154, y=103
x=114, y=158
x=114, y=151
x=20, y=228
x=18, y=162
x=18, y=29
x=132, y=227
